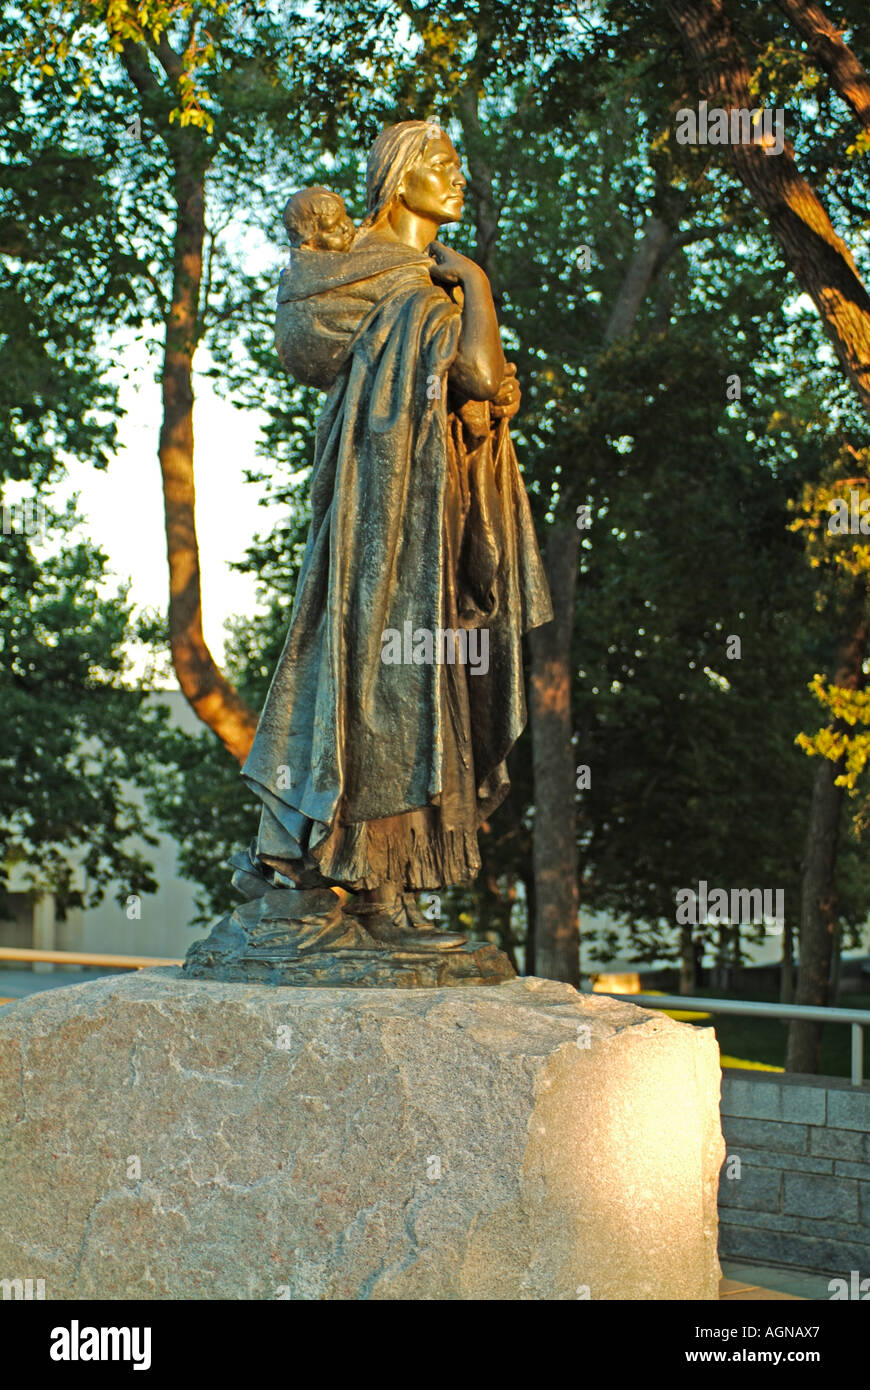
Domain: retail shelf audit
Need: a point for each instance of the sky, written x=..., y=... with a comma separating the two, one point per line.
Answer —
x=123, y=507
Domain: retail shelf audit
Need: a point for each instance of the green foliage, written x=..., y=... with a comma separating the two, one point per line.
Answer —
x=192, y=784
x=694, y=769
x=832, y=518
x=73, y=731
x=695, y=773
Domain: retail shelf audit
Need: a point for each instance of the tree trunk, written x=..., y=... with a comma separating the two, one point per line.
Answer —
x=818, y=888
x=204, y=685
x=484, y=209
x=557, y=928
x=557, y=932
x=817, y=257
x=553, y=932
x=836, y=964
x=531, y=922
x=786, y=977
x=688, y=960
x=206, y=688
x=723, y=957
x=637, y=280
x=823, y=266
x=502, y=913
x=831, y=54
x=818, y=915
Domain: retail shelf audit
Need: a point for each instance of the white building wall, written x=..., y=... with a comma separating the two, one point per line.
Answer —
x=163, y=926
x=163, y=929
x=766, y=952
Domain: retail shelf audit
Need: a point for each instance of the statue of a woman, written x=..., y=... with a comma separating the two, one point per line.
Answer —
x=382, y=743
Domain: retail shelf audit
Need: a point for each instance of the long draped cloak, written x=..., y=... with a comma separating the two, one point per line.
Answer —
x=370, y=771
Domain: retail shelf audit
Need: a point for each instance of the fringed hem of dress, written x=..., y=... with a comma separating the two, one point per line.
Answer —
x=413, y=849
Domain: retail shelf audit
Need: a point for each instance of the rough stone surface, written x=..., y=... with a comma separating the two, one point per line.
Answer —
x=840, y=1143
x=853, y=1170
x=788, y=1163
x=817, y=1217
x=170, y=1138
x=773, y=1096
x=850, y=1109
x=756, y=1188
x=760, y=1246
x=820, y=1196
x=765, y=1134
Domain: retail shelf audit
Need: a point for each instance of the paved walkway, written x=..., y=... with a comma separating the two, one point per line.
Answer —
x=743, y=1283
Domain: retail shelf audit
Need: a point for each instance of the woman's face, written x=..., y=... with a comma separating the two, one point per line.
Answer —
x=433, y=187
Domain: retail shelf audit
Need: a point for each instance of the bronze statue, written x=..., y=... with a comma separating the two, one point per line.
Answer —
x=382, y=743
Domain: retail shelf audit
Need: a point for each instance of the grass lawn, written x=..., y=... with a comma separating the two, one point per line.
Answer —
x=763, y=1040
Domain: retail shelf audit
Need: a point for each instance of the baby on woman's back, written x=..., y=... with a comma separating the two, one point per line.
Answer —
x=317, y=220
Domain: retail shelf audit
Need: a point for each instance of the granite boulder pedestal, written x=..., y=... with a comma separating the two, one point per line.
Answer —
x=163, y=1137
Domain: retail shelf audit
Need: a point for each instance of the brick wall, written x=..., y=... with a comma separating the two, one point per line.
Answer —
x=802, y=1196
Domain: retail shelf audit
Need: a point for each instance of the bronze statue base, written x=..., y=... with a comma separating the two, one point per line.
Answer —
x=477, y=963
x=292, y=936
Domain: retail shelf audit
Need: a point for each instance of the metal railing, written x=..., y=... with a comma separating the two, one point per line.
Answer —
x=858, y=1019
x=30, y=953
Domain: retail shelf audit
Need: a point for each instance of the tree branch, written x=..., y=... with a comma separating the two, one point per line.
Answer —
x=138, y=70
x=148, y=274
x=691, y=234
x=486, y=210
x=171, y=62
x=829, y=52
x=637, y=280
x=818, y=258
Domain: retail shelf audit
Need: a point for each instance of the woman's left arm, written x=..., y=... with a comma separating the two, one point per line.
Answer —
x=479, y=366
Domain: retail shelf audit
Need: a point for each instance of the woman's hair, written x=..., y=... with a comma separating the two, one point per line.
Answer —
x=394, y=152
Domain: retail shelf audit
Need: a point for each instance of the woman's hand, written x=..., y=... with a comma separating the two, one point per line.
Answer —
x=449, y=268
x=478, y=368
x=506, y=402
